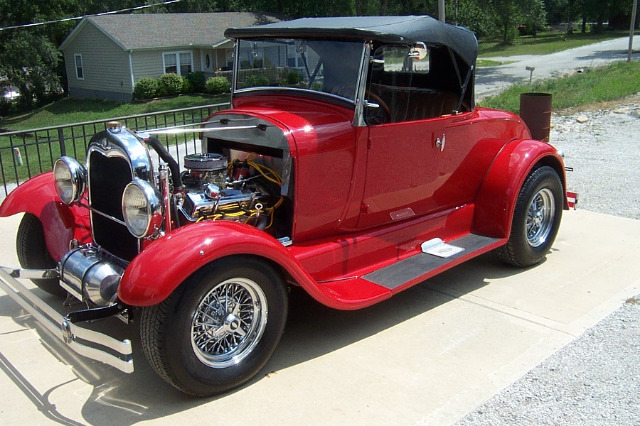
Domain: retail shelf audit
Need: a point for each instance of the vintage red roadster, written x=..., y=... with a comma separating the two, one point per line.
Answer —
x=353, y=164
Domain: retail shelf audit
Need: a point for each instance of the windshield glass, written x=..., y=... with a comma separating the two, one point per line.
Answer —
x=318, y=65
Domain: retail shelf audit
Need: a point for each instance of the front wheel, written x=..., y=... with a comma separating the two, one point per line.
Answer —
x=536, y=219
x=219, y=328
x=32, y=252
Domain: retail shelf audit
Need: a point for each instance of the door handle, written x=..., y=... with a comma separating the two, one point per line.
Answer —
x=440, y=143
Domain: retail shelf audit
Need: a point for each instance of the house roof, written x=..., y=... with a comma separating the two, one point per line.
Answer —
x=169, y=30
x=387, y=29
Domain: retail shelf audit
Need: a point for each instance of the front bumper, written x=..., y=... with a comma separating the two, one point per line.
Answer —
x=85, y=342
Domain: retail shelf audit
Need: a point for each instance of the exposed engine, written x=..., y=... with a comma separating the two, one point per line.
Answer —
x=240, y=190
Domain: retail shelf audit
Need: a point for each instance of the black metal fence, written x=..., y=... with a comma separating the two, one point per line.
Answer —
x=27, y=153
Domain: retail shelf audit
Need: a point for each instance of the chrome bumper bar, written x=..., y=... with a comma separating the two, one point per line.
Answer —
x=71, y=334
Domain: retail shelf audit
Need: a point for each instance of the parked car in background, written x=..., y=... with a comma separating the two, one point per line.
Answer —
x=354, y=164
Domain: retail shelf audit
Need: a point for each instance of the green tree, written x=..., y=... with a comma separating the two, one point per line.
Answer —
x=473, y=15
x=29, y=62
x=534, y=15
x=557, y=10
x=507, y=16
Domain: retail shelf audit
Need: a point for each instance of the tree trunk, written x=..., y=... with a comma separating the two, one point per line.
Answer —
x=383, y=7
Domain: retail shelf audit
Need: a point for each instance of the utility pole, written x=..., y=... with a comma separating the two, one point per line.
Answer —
x=441, y=10
x=634, y=12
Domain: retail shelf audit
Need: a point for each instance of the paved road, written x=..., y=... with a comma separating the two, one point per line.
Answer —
x=490, y=80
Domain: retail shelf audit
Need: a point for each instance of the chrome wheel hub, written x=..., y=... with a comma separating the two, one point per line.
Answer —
x=540, y=215
x=229, y=322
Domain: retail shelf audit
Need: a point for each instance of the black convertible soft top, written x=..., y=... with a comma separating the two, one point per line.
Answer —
x=386, y=29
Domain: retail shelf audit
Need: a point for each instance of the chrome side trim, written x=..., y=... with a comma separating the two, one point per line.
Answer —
x=60, y=326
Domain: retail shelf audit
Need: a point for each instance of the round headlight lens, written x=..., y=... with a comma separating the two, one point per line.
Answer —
x=69, y=176
x=141, y=208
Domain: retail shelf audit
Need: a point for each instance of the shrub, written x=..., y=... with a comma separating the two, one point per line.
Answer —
x=187, y=87
x=197, y=80
x=170, y=84
x=256, y=80
x=145, y=88
x=293, y=78
x=6, y=107
x=217, y=85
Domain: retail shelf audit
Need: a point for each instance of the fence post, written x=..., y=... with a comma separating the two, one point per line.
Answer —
x=63, y=148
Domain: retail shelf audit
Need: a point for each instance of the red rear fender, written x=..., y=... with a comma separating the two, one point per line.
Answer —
x=496, y=198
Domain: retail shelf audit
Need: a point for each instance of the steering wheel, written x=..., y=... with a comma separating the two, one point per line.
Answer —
x=382, y=114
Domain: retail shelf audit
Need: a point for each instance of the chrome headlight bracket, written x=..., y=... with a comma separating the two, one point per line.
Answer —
x=70, y=179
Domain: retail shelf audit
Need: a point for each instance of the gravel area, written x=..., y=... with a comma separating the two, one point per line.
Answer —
x=592, y=381
x=595, y=380
x=601, y=144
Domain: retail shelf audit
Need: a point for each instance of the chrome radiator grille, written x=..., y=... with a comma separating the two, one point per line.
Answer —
x=108, y=176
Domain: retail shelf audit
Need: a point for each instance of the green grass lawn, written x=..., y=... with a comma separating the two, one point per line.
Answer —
x=491, y=63
x=545, y=42
x=615, y=81
x=71, y=110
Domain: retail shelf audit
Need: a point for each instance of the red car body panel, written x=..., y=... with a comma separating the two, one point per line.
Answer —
x=321, y=142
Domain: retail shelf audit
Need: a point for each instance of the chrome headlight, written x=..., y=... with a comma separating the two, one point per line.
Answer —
x=70, y=179
x=141, y=208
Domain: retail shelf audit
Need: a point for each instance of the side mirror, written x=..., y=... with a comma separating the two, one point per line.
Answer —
x=418, y=51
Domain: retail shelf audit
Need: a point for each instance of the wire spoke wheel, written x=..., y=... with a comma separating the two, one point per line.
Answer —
x=228, y=322
x=540, y=216
x=536, y=219
x=217, y=329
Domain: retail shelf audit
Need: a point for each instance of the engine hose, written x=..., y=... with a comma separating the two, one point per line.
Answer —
x=174, y=167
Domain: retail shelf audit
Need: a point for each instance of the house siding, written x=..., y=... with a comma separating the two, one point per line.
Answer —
x=148, y=63
x=105, y=67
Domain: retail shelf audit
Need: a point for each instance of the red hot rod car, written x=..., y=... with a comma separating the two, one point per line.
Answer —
x=353, y=164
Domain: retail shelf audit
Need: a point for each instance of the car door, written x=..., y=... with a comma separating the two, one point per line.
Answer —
x=407, y=138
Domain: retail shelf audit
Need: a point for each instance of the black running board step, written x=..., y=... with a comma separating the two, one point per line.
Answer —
x=413, y=267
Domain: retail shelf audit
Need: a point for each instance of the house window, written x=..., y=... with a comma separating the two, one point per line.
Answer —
x=177, y=62
x=77, y=59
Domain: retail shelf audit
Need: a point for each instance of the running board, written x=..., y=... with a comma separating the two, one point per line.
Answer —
x=422, y=265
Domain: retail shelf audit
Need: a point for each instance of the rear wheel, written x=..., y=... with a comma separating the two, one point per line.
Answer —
x=33, y=254
x=536, y=219
x=219, y=328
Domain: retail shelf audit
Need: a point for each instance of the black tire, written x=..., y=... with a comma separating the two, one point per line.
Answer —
x=536, y=219
x=33, y=254
x=202, y=344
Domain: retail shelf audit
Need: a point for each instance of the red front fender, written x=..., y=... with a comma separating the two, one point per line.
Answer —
x=61, y=223
x=166, y=263
x=496, y=198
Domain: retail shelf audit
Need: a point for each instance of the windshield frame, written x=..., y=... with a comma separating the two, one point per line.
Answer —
x=357, y=77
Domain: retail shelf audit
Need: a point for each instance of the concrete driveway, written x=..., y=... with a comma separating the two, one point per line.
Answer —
x=491, y=80
x=427, y=356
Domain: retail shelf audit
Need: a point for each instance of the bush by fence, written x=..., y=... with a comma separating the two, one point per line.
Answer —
x=174, y=84
x=217, y=86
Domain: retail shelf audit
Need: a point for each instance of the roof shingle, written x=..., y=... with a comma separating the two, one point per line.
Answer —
x=168, y=30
